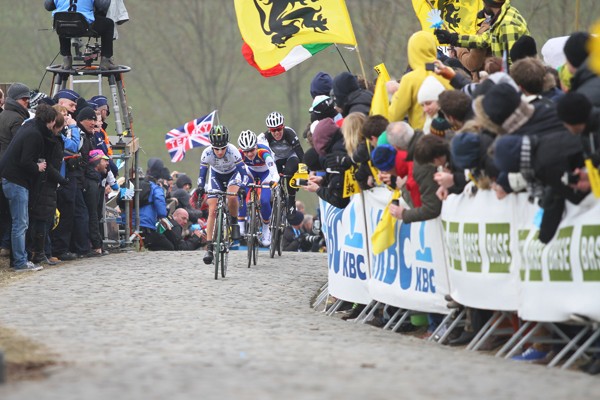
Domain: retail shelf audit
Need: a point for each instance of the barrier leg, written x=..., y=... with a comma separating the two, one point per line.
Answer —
x=572, y=344
x=482, y=331
x=439, y=327
x=404, y=317
x=453, y=325
x=490, y=331
x=581, y=349
x=513, y=339
x=371, y=313
x=364, y=312
x=392, y=319
x=524, y=340
x=321, y=298
x=334, y=308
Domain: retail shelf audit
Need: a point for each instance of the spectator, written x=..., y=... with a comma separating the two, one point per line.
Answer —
x=179, y=221
x=15, y=112
x=183, y=185
x=20, y=167
x=427, y=96
x=294, y=239
x=68, y=99
x=530, y=74
x=456, y=107
x=154, y=209
x=321, y=84
x=372, y=129
x=349, y=97
x=506, y=26
x=584, y=80
x=524, y=47
x=1, y=100
x=94, y=12
x=397, y=172
x=422, y=49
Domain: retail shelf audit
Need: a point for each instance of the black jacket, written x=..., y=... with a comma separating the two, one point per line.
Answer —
x=19, y=163
x=42, y=200
x=587, y=83
x=175, y=236
x=358, y=101
x=10, y=121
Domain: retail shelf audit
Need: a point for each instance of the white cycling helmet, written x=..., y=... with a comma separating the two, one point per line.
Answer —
x=247, y=140
x=274, y=120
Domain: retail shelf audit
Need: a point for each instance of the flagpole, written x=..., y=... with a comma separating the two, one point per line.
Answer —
x=342, y=57
x=362, y=67
x=577, y=4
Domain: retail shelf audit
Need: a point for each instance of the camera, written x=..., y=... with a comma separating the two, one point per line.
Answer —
x=302, y=182
x=429, y=67
x=396, y=202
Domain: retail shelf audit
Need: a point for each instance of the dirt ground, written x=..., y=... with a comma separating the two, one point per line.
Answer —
x=24, y=359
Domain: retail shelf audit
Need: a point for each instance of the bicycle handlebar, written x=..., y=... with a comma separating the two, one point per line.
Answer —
x=220, y=192
x=253, y=185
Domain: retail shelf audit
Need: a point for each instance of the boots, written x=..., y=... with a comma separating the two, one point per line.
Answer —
x=106, y=63
x=208, y=256
x=67, y=62
x=38, y=256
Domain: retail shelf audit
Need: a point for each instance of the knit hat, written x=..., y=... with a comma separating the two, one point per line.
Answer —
x=155, y=165
x=97, y=155
x=344, y=84
x=183, y=180
x=576, y=48
x=524, y=47
x=18, y=91
x=500, y=102
x=321, y=84
x=574, y=108
x=507, y=154
x=320, y=103
x=35, y=97
x=384, y=157
x=86, y=113
x=430, y=90
x=67, y=94
x=465, y=150
x=440, y=127
x=296, y=218
x=494, y=3
x=323, y=132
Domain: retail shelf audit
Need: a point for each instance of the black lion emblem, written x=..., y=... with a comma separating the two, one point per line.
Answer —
x=285, y=19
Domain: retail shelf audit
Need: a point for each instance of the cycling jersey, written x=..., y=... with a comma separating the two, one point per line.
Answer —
x=231, y=162
x=262, y=165
x=288, y=146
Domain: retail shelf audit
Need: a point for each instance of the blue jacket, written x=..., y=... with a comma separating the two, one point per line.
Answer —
x=85, y=7
x=155, y=209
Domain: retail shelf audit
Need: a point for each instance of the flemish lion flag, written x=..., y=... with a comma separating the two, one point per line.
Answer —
x=279, y=34
x=459, y=16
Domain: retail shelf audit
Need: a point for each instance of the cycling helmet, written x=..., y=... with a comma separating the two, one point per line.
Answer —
x=219, y=136
x=274, y=120
x=247, y=140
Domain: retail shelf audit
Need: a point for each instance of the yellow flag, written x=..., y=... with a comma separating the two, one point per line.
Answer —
x=594, y=48
x=459, y=16
x=384, y=235
x=380, y=104
x=272, y=29
x=350, y=183
x=594, y=177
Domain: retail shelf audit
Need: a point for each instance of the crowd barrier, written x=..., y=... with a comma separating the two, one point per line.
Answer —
x=481, y=250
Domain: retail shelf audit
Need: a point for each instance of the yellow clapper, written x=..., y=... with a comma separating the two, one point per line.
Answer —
x=302, y=173
x=350, y=183
x=594, y=177
x=385, y=231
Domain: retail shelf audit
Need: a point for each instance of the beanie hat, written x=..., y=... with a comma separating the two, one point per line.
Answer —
x=384, y=157
x=494, y=3
x=320, y=103
x=574, y=108
x=524, y=47
x=155, y=165
x=500, y=102
x=344, y=84
x=507, y=154
x=18, y=91
x=321, y=84
x=183, y=180
x=296, y=218
x=97, y=155
x=440, y=127
x=465, y=150
x=430, y=90
x=576, y=48
x=67, y=94
x=324, y=130
x=86, y=113
x=35, y=97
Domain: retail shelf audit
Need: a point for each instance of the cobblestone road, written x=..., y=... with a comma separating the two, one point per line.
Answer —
x=158, y=326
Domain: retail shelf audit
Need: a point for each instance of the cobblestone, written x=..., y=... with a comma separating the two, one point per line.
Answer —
x=157, y=326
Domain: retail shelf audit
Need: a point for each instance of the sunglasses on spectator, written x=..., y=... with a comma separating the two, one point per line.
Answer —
x=279, y=128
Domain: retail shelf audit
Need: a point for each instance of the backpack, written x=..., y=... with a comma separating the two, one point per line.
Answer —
x=144, y=194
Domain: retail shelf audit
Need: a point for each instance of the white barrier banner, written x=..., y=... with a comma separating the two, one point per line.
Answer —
x=483, y=260
x=345, y=233
x=562, y=278
x=411, y=274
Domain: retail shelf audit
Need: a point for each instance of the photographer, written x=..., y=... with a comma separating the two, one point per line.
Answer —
x=294, y=238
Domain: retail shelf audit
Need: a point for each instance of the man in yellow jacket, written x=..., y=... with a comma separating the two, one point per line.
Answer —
x=422, y=49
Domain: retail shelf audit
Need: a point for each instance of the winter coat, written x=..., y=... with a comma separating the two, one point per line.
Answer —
x=543, y=121
x=19, y=163
x=42, y=201
x=155, y=209
x=587, y=83
x=10, y=121
x=358, y=101
x=422, y=49
x=431, y=205
x=175, y=236
x=85, y=7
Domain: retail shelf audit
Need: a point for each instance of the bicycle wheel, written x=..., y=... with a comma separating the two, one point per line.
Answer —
x=218, y=241
x=275, y=216
x=250, y=234
x=255, y=230
x=225, y=244
x=281, y=227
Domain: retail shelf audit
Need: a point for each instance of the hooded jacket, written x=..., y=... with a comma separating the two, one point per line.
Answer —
x=587, y=83
x=11, y=120
x=421, y=50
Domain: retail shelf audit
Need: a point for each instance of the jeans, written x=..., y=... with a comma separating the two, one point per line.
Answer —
x=18, y=201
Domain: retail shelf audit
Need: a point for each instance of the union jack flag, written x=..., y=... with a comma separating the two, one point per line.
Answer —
x=189, y=135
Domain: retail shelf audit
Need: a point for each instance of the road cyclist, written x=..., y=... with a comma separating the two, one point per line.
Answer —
x=227, y=173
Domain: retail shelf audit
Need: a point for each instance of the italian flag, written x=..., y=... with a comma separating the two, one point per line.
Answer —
x=293, y=58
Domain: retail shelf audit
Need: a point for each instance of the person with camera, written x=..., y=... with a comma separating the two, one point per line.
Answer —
x=227, y=174
x=286, y=149
x=261, y=166
x=295, y=238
